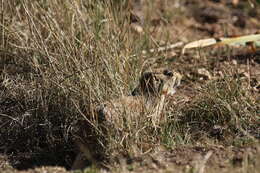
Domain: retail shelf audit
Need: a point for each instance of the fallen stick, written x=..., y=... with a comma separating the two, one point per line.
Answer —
x=162, y=48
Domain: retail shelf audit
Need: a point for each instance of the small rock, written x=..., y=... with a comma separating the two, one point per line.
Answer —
x=204, y=73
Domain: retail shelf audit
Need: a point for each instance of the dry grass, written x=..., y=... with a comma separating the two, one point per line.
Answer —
x=216, y=113
x=59, y=59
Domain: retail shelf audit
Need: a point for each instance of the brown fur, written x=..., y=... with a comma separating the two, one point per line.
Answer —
x=149, y=97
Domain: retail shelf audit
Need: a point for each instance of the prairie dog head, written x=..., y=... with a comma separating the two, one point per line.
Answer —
x=159, y=81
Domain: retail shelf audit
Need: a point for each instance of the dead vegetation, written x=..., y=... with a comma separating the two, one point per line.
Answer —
x=60, y=59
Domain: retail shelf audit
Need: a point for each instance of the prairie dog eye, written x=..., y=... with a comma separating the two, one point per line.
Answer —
x=167, y=73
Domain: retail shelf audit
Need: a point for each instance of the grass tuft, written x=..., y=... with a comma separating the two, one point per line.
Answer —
x=223, y=110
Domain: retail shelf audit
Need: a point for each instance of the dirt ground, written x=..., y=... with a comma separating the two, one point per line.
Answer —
x=180, y=159
x=190, y=20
